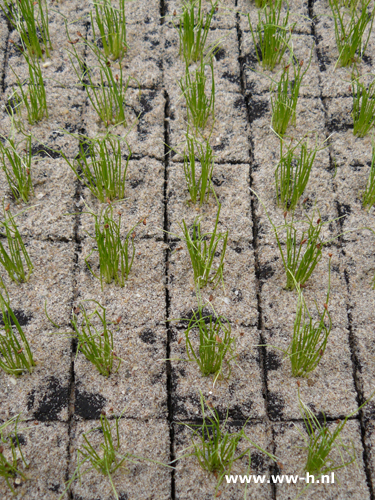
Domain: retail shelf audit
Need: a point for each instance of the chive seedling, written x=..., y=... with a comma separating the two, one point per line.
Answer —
x=99, y=167
x=202, y=248
x=193, y=30
x=10, y=444
x=215, y=447
x=96, y=345
x=12, y=260
x=16, y=356
x=17, y=168
x=30, y=19
x=115, y=256
x=310, y=337
x=199, y=187
x=293, y=172
x=322, y=439
x=199, y=106
x=34, y=98
x=284, y=100
x=369, y=193
x=111, y=23
x=363, y=107
x=350, y=33
x=271, y=35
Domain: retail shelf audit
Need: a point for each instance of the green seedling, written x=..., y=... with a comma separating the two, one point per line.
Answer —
x=30, y=19
x=199, y=107
x=350, y=27
x=369, y=193
x=193, y=30
x=111, y=24
x=108, y=97
x=10, y=444
x=363, y=107
x=16, y=356
x=215, y=447
x=99, y=167
x=115, y=256
x=17, y=168
x=96, y=344
x=202, y=248
x=15, y=260
x=262, y=3
x=322, y=439
x=199, y=185
x=293, y=172
x=106, y=458
x=284, y=99
x=272, y=35
x=34, y=98
x=309, y=337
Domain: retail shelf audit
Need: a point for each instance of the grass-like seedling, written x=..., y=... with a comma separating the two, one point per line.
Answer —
x=199, y=186
x=17, y=168
x=272, y=35
x=16, y=356
x=109, y=96
x=193, y=88
x=30, y=19
x=350, y=27
x=15, y=260
x=34, y=98
x=322, y=439
x=215, y=447
x=105, y=459
x=293, y=172
x=202, y=248
x=111, y=24
x=115, y=256
x=369, y=193
x=194, y=29
x=262, y=3
x=99, y=167
x=96, y=344
x=310, y=337
x=363, y=107
x=284, y=99
x=9, y=468
x=216, y=345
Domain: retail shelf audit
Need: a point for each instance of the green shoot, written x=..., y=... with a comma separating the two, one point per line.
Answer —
x=10, y=444
x=193, y=30
x=96, y=345
x=105, y=459
x=199, y=188
x=309, y=337
x=199, y=106
x=271, y=35
x=30, y=19
x=111, y=23
x=202, y=248
x=363, y=107
x=13, y=109
x=109, y=96
x=12, y=260
x=99, y=167
x=350, y=33
x=322, y=439
x=369, y=193
x=262, y=3
x=16, y=356
x=215, y=447
x=35, y=98
x=284, y=101
x=115, y=257
x=17, y=169
x=292, y=173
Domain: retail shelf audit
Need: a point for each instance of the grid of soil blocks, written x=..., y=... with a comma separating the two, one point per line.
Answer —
x=153, y=401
